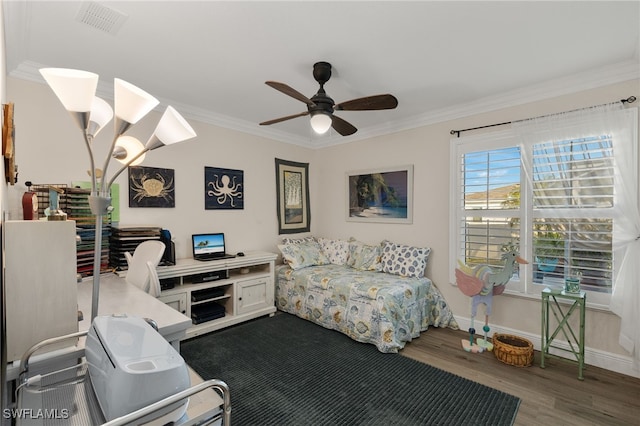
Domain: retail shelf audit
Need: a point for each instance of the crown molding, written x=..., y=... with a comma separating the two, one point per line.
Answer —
x=615, y=73
x=612, y=74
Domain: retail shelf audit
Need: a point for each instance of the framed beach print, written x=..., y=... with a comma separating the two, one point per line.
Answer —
x=380, y=195
x=292, y=187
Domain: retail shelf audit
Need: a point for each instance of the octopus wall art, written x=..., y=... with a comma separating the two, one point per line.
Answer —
x=151, y=187
x=224, y=188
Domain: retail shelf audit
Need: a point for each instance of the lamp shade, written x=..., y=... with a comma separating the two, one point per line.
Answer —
x=101, y=114
x=75, y=89
x=127, y=147
x=172, y=128
x=131, y=103
x=320, y=122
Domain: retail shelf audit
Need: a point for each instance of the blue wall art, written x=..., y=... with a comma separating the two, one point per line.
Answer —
x=223, y=188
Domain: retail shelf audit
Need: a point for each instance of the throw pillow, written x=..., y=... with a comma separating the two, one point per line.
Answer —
x=289, y=240
x=403, y=260
x=297, y=240
x=364, y=257
x=301, y=255
x=337, y=251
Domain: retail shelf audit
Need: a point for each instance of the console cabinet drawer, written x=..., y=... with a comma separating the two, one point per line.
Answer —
x=176, y=301
x=253, y=294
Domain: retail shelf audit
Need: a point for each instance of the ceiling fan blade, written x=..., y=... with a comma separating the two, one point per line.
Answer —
x=343, y=127
x=288, y=117
x=368, y=103
x=287, y=90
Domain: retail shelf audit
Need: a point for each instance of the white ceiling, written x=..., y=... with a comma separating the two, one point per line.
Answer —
x=442, y=60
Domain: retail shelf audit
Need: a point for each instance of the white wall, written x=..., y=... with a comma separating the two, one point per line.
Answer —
x=427, y=148
x=3, y=100
x=3, y=202
x=50, y=150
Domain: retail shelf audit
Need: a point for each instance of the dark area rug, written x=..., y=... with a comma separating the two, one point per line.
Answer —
x=284, y=370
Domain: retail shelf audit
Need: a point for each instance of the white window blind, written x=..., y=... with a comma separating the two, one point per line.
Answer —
x=573, y=199
x=491, y=203
x=573, y=173
x=490, y=178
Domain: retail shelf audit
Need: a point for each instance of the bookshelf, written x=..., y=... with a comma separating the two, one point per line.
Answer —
x=74, y=202
x=125, y=239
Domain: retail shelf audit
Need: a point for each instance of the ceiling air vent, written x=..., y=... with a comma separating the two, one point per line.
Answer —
x=100, y=17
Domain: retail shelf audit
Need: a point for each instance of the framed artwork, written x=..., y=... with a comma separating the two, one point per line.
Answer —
x=223, y=188
x=380, y=195
x=292, y=187
x=151, y=187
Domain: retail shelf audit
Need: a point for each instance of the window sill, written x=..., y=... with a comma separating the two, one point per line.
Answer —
x=537, y=297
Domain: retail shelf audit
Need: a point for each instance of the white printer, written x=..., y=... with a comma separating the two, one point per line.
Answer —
x=131, y=366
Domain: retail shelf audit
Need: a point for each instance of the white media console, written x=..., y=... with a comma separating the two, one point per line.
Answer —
x=242, y=288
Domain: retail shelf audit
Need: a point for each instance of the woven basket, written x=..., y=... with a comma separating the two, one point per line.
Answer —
x=513, y=350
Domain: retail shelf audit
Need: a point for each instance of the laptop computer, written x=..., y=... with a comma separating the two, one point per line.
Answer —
x=209, y=247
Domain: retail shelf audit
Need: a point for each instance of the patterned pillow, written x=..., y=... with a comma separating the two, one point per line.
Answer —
x=364, y=257
x=298, y=240
x=308, y=239
x=337, y=251
x=403, y=260
x=304, y=254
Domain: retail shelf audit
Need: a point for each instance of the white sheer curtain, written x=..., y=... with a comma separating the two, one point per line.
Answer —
x=621, y=125
x=625, y=301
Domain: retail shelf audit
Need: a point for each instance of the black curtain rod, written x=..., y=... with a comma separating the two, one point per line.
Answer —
x=630, y=99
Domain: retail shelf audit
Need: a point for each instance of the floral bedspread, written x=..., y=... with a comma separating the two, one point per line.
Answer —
x=371, y=307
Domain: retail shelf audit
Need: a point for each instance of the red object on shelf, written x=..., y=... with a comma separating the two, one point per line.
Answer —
x=30, y=206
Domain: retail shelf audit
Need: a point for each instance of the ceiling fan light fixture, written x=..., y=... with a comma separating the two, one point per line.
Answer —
x=321, y=107
x=320, y=122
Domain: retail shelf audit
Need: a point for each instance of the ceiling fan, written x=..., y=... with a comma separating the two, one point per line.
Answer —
x=321, y=106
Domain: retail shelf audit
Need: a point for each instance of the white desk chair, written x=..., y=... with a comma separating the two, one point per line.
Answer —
x=142, y=266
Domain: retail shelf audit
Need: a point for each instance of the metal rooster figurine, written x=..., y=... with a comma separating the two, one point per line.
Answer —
x=481, y=283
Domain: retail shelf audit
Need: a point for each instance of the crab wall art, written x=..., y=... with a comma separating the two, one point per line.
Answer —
x=151, y=187
x=223, y=188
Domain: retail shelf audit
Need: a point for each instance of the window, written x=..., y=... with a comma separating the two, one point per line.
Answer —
x=553, y=196
x=490, y=190
x=572, y=224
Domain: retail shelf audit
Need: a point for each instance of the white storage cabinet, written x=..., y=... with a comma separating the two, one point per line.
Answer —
x=40, y=282
x=247, y=293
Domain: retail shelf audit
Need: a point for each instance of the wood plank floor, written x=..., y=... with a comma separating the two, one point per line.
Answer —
x=550, y=396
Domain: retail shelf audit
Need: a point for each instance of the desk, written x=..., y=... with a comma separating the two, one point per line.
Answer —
x=576, y=343
x=117, y=296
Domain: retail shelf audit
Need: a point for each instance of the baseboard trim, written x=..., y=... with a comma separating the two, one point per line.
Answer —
x=602, y=359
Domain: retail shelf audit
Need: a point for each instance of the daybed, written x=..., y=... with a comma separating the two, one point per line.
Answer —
x=372, y=293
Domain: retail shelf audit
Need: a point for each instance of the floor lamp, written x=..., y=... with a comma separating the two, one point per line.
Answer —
x=76, y=91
